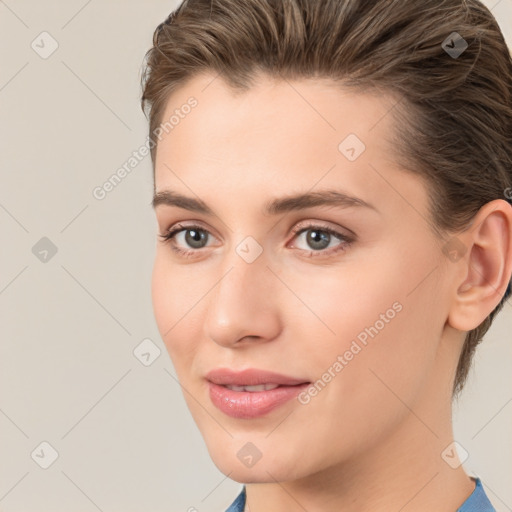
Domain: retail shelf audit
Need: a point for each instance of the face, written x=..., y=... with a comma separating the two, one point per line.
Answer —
x=343, y=298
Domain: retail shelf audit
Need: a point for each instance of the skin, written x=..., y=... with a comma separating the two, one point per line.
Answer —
x=372, y=438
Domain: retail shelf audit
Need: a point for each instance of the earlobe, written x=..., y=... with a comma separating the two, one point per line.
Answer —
x=487, y=265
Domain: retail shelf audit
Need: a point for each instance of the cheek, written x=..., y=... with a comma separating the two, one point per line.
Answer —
x=379, y=356
x=161, y=299
x=366, y=324
x=173, y=300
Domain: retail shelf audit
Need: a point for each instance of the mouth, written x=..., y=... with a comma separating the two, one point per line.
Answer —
x=251, y=377
x=252, y=389
x=251, y=393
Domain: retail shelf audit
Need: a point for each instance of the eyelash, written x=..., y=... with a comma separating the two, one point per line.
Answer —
x=343, y=246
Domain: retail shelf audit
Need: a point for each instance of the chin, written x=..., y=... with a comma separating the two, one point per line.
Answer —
x=257, y=474
x=267, y=469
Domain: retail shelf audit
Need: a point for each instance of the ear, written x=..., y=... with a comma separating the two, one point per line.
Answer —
x=486, y=249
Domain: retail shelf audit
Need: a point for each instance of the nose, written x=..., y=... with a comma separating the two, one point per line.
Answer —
x=244, y=304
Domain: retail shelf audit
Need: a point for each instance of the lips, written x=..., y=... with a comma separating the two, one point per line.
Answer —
x=250, y=377
x=251, y=393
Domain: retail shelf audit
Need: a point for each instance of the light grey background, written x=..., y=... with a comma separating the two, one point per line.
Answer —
x=69, y=326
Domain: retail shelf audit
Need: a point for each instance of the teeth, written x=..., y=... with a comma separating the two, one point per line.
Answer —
x=259, y=387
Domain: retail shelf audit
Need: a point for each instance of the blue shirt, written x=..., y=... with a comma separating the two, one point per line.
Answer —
x=477, y=501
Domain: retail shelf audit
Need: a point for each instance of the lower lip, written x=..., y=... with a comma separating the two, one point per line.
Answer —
x=247, y=404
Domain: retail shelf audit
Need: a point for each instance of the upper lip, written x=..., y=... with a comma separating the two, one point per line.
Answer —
x=250, y=377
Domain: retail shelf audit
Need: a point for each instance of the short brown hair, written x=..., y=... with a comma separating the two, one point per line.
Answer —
x=454, y=117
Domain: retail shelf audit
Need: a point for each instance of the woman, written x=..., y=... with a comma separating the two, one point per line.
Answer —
x=332, y=192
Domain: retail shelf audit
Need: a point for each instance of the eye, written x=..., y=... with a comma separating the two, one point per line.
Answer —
x=191, y=236
x=319, y=238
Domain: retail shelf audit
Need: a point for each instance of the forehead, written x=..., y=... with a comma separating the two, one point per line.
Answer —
x=275, y=113
x=279, y=135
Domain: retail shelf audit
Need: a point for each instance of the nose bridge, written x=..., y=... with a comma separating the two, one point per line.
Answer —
x=239, y=304
x=244, y=277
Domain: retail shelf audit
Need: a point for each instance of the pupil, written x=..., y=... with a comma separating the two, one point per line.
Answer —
x=318, y=237
x=196, y=237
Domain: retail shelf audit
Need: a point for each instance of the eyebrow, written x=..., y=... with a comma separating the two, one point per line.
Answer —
x=273, y=207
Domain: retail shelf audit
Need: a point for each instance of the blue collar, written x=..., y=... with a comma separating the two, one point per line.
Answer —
x=239, y=504
x=477, y=501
